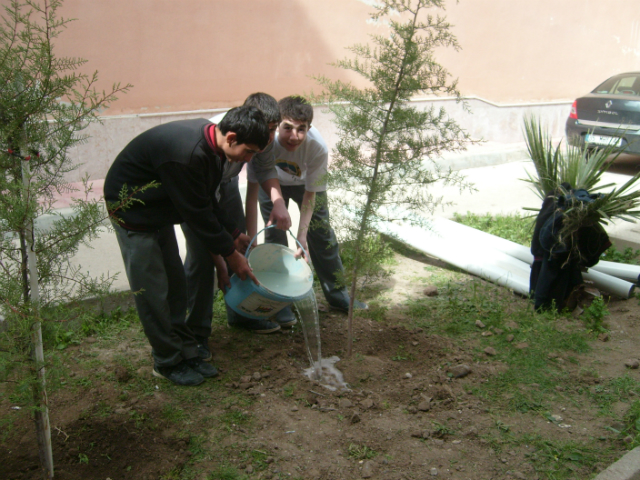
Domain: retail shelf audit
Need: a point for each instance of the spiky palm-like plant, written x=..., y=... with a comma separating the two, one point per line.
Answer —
x=581, y=169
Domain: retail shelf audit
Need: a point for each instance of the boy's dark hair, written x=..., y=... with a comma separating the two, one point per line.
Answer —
x=297, y=108
x=248, y=123
x=266, y=104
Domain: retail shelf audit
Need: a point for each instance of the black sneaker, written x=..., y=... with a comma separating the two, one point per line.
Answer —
x=205, y=369
x=285, y=318
x=204, y=352
x=180, y=374
x=357, y=305
x=261, y=326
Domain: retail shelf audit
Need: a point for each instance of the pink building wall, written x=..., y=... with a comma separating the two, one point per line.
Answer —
x=184, y=55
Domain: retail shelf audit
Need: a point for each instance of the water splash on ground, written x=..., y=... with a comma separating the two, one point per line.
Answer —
x=322, y=370
x=307, y=310
x=330, y=378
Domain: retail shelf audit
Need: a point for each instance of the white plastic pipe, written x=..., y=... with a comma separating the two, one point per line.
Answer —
x=615, y=286
x=617, y=279
x=445, y=227
x=498, y=260
x=449, y=229
x=624, y=271
x=490, y=264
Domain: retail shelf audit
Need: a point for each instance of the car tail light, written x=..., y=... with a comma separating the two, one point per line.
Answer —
x=574, y=110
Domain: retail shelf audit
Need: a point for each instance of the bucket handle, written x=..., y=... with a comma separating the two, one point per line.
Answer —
x=246, y=254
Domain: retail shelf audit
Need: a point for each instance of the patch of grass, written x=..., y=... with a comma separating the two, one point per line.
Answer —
x=566, y=459
x=188, y=471
x=503, y=427
x=441, y=430
x=531, y=365
x=66, y=325
x=194, y=396
x=63, y=327
x=615, y=390
x=376, y=312
x=360, y=452
x=257, y=458
x=516, y=228
x=402, y=355
x=103, y=409
x=219, y=310
x=554, y=459
x=6, y=427
x=628, y=255
x=110, y=325
x=459, y=305
x=528, y=401
x=173, y=414
x=226, y=472
x=595, y=314
x=235, y=418
x=198, y=449
x=84, y=382
x=233, y=399
x=455, y=311
x=632, y=420
x=138, y=418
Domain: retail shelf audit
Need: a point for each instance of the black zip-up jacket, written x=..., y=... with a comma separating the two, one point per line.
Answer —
x=178, y=157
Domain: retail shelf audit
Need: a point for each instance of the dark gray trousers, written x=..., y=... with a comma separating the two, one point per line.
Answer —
x=321, y=241
x=198, y=265
x=156, y=276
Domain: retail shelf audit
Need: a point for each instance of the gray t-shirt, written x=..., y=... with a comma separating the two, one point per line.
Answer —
x=306, y=166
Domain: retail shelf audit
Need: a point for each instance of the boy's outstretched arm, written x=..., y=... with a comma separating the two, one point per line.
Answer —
x=221, y=272
x=279, y=215
x=306, y=212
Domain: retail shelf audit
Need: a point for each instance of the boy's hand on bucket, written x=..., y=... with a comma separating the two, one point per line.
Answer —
x=300, y=253
x=240, y=265
x=242, y=243
x=280, y=216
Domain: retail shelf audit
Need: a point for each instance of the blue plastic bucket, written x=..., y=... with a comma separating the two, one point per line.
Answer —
x=283, y=280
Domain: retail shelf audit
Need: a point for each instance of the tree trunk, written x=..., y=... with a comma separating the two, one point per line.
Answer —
x=41, y=415
x=24, y=267
x=39, y=384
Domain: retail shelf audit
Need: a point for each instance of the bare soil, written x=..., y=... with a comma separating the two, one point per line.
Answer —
x=406, y=416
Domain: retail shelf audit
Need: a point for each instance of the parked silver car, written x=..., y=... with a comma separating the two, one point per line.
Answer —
x=608, y=116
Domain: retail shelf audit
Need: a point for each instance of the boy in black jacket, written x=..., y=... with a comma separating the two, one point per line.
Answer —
x=187, y=158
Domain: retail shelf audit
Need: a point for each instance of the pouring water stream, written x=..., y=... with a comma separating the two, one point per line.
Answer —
x=322, y=370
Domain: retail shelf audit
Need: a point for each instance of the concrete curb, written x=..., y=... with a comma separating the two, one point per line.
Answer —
x=627, y=468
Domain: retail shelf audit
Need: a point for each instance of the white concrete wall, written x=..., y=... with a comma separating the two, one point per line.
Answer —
x=495, y=124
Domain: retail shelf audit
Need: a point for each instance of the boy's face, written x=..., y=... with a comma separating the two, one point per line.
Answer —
x=238, y=152
x=291, y=133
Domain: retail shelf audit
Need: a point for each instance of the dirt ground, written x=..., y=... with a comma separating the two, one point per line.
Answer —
x=412, y=411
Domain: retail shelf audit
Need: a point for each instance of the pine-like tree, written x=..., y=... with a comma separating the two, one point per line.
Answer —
x=388, y=149
x=45, y=103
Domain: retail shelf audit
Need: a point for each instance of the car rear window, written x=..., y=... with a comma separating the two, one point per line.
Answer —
x=620, y=85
